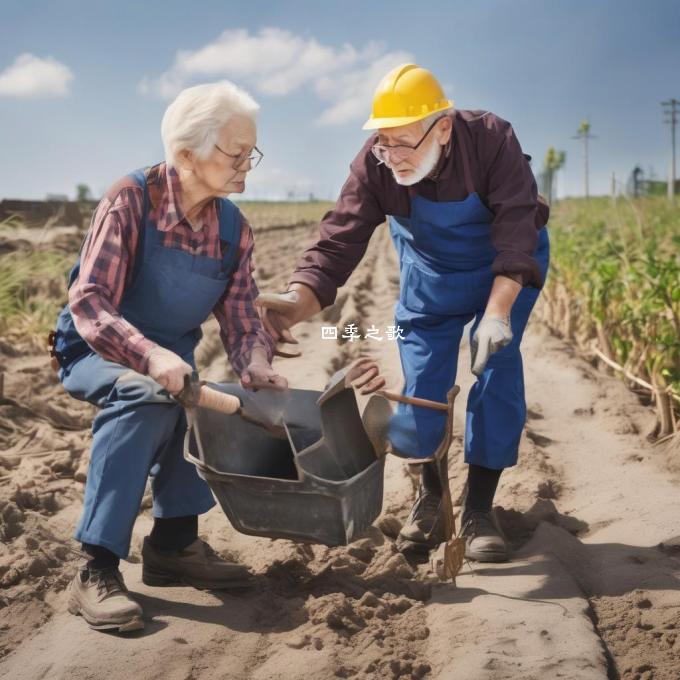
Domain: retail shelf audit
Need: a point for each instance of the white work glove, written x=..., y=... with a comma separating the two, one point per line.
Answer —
x=168, y=369
x=492, y=334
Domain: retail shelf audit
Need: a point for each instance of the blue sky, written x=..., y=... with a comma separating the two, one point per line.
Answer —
x=83, y=85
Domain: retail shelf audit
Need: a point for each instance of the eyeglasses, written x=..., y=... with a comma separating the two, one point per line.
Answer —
x=398, y=152
x=241, y=158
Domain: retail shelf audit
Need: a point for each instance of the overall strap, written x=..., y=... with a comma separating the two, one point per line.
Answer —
x=230, y=232
x=467, y=175
x=139, y=178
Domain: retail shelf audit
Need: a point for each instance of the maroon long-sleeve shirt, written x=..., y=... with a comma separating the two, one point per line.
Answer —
x=502, y=178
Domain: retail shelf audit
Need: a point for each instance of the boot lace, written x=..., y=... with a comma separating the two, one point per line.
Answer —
x=426, y=507
x=478, y=523
x=108, y=580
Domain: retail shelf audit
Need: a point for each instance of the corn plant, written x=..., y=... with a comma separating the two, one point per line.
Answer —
x=614, y=287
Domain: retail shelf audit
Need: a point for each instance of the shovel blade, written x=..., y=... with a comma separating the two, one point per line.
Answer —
x=447, y=560
x=266, y=405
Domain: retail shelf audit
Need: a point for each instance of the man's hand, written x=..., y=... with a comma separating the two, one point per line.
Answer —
x=492, y=334
x=260, y=374
x=281, y=311
x=365, y=376
x=168, y=369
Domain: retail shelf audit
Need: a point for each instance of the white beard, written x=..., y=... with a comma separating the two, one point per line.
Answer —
x=423, y=170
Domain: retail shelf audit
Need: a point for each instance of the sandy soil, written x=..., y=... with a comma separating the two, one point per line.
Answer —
x=593, y=512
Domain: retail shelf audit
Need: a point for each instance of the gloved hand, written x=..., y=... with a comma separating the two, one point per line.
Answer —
x=492, y=334
x=167, y=369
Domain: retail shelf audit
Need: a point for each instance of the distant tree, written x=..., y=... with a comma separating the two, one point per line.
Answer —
x=83, y=193
x=553, y=161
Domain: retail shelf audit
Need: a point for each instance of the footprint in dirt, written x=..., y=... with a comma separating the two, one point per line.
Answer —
x=520, y=526
x=539, y=439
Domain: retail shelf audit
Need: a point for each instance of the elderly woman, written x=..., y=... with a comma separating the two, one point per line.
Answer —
x=165, y=248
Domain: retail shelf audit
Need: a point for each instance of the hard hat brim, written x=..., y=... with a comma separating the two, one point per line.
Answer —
x=375, y=123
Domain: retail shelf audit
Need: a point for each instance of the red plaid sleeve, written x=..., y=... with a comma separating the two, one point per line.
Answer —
x=106, y=263
x=240, y=326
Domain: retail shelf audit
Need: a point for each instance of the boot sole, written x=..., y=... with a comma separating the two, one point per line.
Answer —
x=164, y=580
x=403, y=545
x=487, y=556
x=134, y=623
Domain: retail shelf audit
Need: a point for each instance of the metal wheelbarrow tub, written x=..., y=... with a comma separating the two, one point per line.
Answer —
x=323, y=483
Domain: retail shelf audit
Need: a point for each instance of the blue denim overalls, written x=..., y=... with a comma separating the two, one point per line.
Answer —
x=445, y=253
x=139, y=430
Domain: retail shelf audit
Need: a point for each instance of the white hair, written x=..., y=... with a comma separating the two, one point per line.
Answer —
x=428, y=120
x=194, y=119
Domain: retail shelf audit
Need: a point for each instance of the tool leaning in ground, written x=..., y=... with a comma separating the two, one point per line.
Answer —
x=364, y=375
x=446, y=560
x=266, y=411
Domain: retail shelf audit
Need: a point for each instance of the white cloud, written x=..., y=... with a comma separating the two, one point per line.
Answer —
x=276, y=62
x=275, y=184
x=31, y=76
x=350, y=93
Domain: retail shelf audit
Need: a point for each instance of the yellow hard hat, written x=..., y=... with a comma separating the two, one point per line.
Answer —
x=406, y=94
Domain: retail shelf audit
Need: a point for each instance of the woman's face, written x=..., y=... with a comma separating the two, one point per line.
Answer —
x=224, y=171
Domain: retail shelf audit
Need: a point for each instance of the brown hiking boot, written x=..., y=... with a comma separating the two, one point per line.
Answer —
x=101, y=598
x=197, y=565
x=484, y=540
x=424, y=528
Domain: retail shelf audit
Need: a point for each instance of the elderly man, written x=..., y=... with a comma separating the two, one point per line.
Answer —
x=165, y=248
x=469, y=230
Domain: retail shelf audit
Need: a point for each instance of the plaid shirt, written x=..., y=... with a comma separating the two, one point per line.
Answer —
x=106, y=268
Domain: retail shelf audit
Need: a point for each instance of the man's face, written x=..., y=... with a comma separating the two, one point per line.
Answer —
x=409, y=167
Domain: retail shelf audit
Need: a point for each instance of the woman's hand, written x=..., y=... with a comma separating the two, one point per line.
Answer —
x=260, y=374
x=168, y=369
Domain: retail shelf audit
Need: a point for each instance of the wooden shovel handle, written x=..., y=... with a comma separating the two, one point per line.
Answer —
x=415, y=401
x=218, y=401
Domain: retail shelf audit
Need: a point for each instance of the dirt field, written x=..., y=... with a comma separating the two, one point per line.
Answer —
x=593, y=512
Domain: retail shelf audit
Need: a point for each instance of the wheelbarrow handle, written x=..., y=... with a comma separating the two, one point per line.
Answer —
x=218, y=401
x=415, y=401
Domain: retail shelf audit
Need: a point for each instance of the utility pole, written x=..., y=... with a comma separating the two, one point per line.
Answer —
x=671, y=110
x=584, y=134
